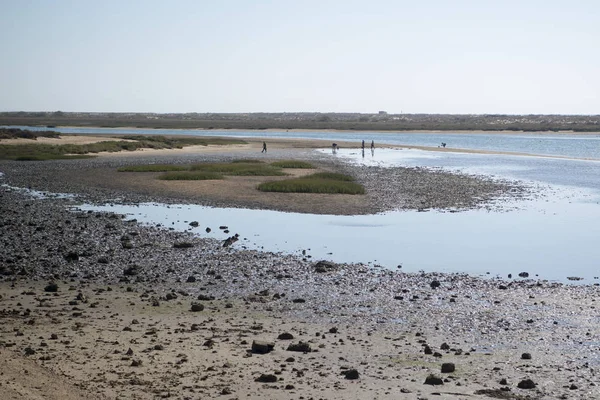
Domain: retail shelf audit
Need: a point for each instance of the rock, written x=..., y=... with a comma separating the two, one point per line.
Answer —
x=299, y=301
x=433, y=380
x=170, y=296
x=197, y=307
x=300, y=347
x=207, y=230
x=324, y=266
x=230, y=240
x=191, y=279
x=526, y=356
x=203, y=297
x=29, y=351
x=136, y=363
x=71, y=256
x=131, y=271
x=194, y=224
x=183, y=245
x=435, y=284
x=285, y=336
x=445, y=346
x=129, y=352
x=427, y=350
x=333, y=330
x=526, y=383
x=266, y=378
x=448, y=368
x=351, y=374
x=262, y=347
x=524, y=274
x=52, y=287
x=223, y=227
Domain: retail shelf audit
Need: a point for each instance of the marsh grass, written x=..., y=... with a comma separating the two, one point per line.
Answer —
x=190, y=176
x=248, y=161
x=153, y=168
x=239, y=169
x=292, y=164
x=329, y=183
x=51, y=152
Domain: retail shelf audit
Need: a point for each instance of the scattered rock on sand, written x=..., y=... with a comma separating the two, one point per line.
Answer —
x=302, y=347
x=448, y=368
x=351, y=374
x=433, y=380
x=266, y=378
x=197, y=307
x=526, y=384
x=262, y=347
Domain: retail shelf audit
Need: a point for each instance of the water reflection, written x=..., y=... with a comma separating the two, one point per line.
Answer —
x=551, y=239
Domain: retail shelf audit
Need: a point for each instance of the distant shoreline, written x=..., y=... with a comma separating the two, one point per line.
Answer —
x=311, y=130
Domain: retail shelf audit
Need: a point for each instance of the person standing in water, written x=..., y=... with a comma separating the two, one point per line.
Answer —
x=264, y=150
x=363, y=145
x=372, y=145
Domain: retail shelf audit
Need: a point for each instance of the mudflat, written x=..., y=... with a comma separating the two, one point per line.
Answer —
x=105, y=308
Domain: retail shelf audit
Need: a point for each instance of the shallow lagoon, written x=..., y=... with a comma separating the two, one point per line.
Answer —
x=554, y=236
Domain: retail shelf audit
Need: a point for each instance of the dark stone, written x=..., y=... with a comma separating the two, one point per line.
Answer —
x=191, y=279
x=299, y=301
x=29, y=351
x=207, y=230
x=300, y=347
x=183, y=245
x=266, y=378
x=445, y=346
x=194, y=224
x=333, y=330
x=435, y=284
x=324, y=266
x=427, y=350
x=204, y=297
x=448, y=367
x=524, y=274
x=351, y=374
x=131, y=271
x=71, y=256
x=197, y=307
x=262, y=347
x=285, y=336
x=526, y=356
x=433, y=380
x=526, y=383
x=52, y=287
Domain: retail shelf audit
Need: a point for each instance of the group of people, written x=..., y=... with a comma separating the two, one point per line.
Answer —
x=334, y=146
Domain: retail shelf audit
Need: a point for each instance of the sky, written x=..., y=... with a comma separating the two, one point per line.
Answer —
x=428, y=56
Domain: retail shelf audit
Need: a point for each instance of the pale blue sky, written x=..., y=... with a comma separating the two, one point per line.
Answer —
x=516, y=57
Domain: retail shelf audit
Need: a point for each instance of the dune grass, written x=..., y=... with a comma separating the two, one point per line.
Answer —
x=239, y=169
x=153, y=168
x=292, y=164
x=190, y=176
x=329, y=183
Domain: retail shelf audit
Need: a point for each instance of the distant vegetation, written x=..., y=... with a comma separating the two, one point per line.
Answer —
x=381, y=121
x=36, y=152
x=329, y=183
x=292, y=164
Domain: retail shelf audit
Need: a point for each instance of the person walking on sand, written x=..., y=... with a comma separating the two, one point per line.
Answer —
x=363, y=145
x=372, y=144
x=264, y=150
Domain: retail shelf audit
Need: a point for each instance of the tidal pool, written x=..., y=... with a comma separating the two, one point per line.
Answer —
x=549, y=239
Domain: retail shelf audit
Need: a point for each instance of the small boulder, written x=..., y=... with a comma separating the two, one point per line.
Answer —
x=526, y=384
x=433, y=380
x=197, y=307
x=262, y=347
x=351, y=374
x=266, y=378
x=301, y=347
x=448, y=368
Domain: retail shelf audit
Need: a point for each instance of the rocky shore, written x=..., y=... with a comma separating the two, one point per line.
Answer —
x=112, y=309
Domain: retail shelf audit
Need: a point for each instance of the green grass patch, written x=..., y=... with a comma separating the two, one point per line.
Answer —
x=248, y=161
x=153, y=168
x=329, y=183
x=292, y=164
x=190, y=176
x=239, y=169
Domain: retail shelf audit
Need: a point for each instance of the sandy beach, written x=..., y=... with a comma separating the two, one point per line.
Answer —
x=94, y=306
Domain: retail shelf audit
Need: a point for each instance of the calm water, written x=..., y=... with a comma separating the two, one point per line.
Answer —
x=567, y=145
